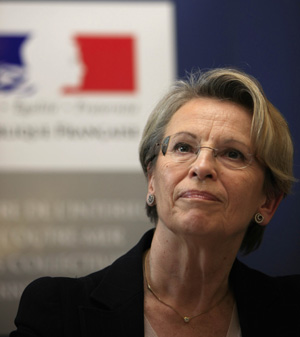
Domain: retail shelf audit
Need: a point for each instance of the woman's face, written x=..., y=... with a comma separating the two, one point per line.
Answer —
x=205, y=196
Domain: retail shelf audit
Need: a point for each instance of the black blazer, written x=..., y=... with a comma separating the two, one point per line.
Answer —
x=109, y=303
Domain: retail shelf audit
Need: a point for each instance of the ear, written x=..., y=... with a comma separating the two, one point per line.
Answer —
x=150, y=174
x=268, y=208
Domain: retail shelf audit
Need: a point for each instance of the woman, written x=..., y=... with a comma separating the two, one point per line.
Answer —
x=218, y=160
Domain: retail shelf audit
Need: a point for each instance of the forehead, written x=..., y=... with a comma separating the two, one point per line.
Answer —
x=212, y=118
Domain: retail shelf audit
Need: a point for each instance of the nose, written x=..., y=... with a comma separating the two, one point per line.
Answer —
x=204, y=166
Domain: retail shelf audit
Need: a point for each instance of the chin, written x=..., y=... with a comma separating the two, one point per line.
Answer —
x=196, y=225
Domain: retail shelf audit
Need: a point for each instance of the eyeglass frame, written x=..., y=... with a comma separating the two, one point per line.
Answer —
x=165, y=143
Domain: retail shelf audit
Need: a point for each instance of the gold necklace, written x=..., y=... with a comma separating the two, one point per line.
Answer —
x=186, y=319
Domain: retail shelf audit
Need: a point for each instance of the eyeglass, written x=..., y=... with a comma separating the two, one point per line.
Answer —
x=183, y=147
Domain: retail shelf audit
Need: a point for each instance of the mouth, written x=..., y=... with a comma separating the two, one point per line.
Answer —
x=199, y=195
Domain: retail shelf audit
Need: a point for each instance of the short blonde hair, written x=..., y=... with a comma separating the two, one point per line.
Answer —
x=270, y=134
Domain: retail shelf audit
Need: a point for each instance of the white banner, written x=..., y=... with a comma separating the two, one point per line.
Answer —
x=78, y=80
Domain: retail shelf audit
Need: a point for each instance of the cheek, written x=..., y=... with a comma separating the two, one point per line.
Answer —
x=166, y=179
x=246, y=194
x=165, y=182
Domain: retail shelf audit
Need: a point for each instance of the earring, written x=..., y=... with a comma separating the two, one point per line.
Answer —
x=151, y=200
x=259, y=218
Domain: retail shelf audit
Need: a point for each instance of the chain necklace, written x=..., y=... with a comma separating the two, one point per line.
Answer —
x=186, y=319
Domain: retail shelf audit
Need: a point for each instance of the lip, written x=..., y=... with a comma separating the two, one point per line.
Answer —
x=199, y=195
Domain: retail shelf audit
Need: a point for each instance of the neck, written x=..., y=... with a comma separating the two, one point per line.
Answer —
x=186, y=318
x=186, y=274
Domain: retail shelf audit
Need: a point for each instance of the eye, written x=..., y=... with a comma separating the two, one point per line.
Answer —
x=183, y=148
x=232, y=154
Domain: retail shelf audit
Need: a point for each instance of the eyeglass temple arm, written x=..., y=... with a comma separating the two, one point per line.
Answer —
x=164, y=145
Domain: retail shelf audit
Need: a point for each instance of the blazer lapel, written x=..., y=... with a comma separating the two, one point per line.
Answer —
x=118, y=301
x=117, y=323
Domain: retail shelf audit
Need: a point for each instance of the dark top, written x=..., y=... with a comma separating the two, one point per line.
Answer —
x=109, y=303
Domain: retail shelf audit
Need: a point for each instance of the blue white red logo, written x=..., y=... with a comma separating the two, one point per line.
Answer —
x=12, y=67
x=105, y=63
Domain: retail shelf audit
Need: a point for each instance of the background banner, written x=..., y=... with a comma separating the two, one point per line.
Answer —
x=77, y=83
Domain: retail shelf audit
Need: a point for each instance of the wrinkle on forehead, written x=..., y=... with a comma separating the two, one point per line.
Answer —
x=212, y=120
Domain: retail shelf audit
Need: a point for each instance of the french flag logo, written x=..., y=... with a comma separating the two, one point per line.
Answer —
x=108, y=64
x=12, y=67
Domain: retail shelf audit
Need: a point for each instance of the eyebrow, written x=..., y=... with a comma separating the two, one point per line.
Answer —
x=232, y=140
x=224, y=141
x=185, y=133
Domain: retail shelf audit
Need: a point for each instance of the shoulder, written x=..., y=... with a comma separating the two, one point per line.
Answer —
x=241, y=273
x=244, y=271
x=256, y=289
x=49, y=303
x=60, y=289
x=267, y=305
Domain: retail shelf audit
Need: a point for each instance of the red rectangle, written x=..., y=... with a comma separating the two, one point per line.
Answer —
x=108, y=62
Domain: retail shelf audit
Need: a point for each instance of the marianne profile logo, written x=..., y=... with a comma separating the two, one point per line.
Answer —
x=67, y=65
x=13, y=72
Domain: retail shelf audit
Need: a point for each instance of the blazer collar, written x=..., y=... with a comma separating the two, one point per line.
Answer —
x=124, y=278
